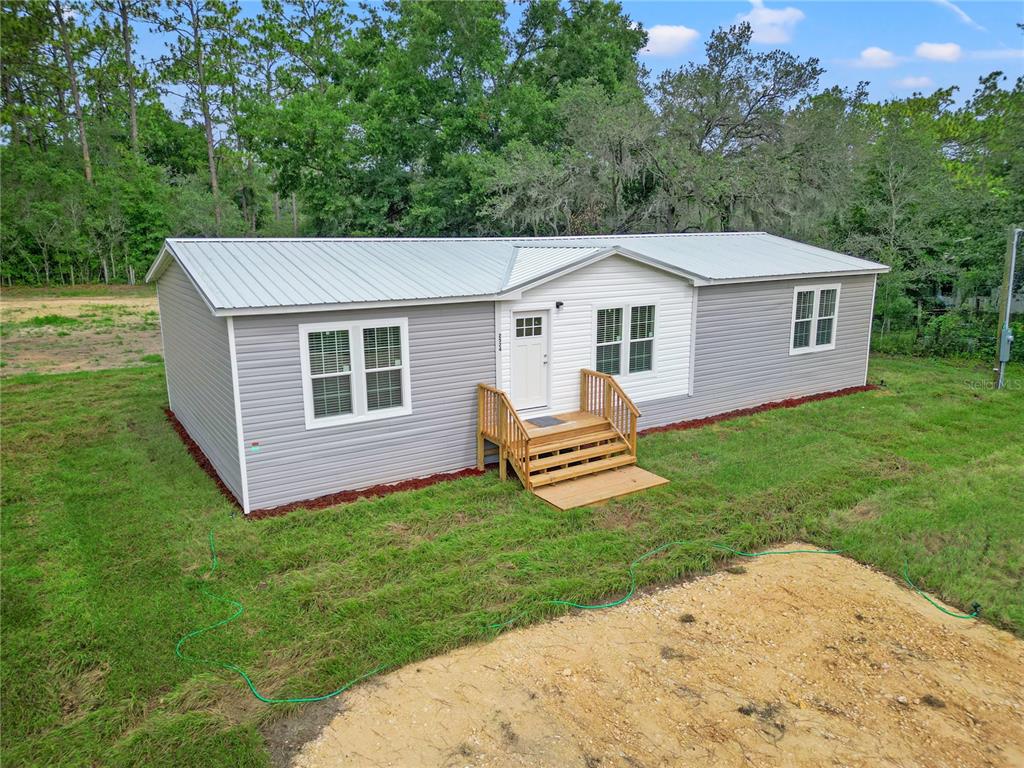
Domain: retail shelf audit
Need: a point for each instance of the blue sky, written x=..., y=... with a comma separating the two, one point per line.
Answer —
x=899, y=47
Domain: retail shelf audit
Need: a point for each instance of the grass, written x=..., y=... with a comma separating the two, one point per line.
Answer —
x=55, y=320
x=105, y=519
x=76, y=291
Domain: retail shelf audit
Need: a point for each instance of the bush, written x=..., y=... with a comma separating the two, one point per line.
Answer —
x=952, y=334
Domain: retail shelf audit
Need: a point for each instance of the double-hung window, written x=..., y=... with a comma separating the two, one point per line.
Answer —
x=354, y=371
x=814, y=318
x=625, y=339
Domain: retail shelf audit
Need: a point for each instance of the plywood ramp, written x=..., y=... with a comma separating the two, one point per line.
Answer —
x=599, y=487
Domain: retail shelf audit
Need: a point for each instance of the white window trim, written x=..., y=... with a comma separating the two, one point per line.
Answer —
x=360, y=413
x=627, y=310
x=814, y=346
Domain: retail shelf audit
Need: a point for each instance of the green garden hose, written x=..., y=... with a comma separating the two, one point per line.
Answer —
x=975, y=608
x=240, y=609
x=644, y=556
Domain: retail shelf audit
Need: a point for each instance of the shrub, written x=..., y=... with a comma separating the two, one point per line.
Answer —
x=957, y=333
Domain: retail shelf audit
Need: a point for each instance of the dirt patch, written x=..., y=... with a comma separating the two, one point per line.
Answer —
x=864, y=510
x=285, y=736
x=804, y=661
x=84, y=333
x=891, y=467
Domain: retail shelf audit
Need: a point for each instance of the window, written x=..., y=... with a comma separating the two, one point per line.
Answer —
x=382, y=352
x=354, y=371
x=615, y=343
x=329, y=356
x=529, y=326
x=641, y=339
x=609, y=340
x=814, y=318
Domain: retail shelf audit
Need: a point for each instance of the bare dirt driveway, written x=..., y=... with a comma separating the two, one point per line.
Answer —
x=802, y=660
x=116, y=326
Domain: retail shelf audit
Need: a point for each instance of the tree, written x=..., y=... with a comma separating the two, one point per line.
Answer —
x=69, y=36
x=202, y=31
x=596, y=178
x=717, y=118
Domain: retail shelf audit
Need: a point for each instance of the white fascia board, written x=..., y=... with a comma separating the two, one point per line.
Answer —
x=593, y=258
x=292, y=309
x=797, y=276
x=163, y=260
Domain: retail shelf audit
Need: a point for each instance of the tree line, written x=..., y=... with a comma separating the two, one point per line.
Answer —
x=313, y=117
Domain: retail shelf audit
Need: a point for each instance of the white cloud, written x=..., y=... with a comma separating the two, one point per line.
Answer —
x=912, y=83
x=876, y=58
x=772, y=25
x=669, y=39
x=960, y=14
x=939, y=51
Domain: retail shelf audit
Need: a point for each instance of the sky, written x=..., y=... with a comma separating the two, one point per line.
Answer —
x=899, y=47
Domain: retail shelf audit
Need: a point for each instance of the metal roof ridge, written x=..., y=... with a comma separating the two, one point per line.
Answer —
x=466, y=239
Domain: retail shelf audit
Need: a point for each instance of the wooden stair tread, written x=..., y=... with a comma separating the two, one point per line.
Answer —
x=590, y=468
x=593, y=489
x=580, y=454
x=596, y=436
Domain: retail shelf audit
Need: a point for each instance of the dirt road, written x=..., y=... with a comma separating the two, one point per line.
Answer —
x=802, y=660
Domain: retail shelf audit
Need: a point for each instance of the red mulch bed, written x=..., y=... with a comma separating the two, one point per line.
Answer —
x=197, y=453
x=791, y=403
x=330, y=500
x=344, y=497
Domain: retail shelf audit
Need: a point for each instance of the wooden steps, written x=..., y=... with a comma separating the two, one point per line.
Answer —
x=578, y=457
x=564, y=458
x=598, y=488
x=540, y=446
x=580, y=470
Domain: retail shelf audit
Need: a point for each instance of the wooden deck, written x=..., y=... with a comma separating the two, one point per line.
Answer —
x=570, y=421
x=594, y=489
x=596, y=444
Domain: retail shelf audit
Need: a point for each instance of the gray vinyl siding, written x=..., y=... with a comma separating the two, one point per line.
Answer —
x=742, y=355
x=451, y=350
x=198, y=363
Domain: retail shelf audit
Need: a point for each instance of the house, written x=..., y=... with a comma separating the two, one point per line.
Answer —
x=304, y=367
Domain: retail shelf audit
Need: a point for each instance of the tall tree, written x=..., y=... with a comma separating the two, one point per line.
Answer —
x=69, y=36
x=196, y=27
x=716, y=117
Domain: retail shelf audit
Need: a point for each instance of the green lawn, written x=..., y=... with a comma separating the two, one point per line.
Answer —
x=105, y=518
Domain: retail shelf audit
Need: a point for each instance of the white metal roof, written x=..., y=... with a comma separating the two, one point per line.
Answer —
x=247, y=275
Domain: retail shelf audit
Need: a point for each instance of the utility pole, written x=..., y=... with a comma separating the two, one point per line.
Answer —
x=1005, y=337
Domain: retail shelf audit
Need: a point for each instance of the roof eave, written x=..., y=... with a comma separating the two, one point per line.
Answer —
x=593, y=258
x=881, y=269
x=288, y=309
x=161, y=263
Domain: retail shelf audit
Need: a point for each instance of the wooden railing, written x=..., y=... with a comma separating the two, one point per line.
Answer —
x=498, y=422
x=601, y=395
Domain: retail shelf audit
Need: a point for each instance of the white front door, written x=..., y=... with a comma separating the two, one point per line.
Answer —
x=530, y=359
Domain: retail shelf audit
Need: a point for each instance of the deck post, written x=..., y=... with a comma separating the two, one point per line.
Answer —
x=480, y=395
x=607, y=400
x=502, y=433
